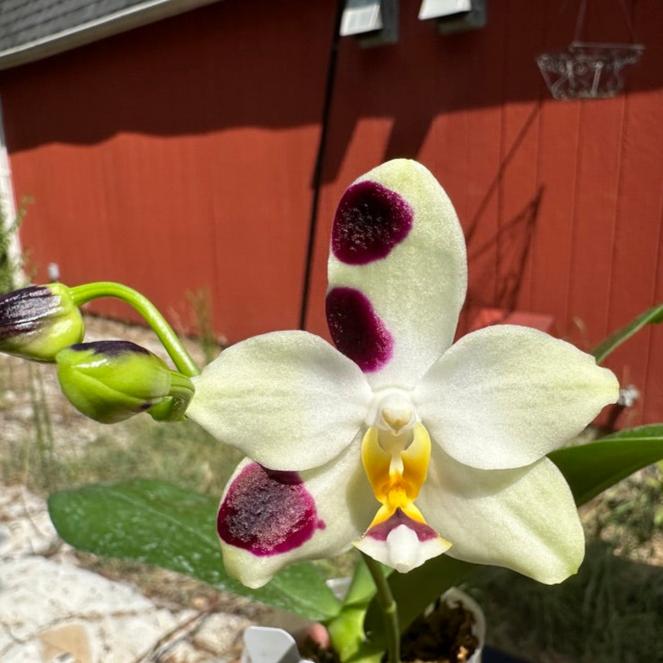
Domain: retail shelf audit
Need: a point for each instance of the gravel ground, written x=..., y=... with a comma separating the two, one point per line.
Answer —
x=54, y=609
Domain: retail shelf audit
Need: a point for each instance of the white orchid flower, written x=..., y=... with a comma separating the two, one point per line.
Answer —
x=397, y=413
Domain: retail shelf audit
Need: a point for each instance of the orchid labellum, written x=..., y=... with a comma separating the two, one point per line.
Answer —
x=396, y=440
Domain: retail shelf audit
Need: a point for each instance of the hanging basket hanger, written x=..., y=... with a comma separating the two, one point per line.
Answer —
x=586, y=69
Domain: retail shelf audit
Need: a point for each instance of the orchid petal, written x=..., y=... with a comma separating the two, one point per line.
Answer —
x=523, y=519
x=269, y=519
x=397, y=273
x=288, y=400
x=505, y=396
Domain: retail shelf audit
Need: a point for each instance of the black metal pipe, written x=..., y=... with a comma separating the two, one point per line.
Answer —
x=316, y=180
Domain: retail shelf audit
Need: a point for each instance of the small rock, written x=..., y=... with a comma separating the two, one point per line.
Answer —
x=71, y=640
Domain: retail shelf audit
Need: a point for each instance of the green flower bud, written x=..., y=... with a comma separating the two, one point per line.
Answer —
x=110, y=381
x=39, y=321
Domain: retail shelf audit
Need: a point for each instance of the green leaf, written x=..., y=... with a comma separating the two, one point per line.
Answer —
x=591, y=468
x=362, y=588
x=347, y=628
x=160, y=524
x=652, y=316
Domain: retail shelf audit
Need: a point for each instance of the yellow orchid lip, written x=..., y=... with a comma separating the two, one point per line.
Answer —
x=399, y=534
x=396, y=474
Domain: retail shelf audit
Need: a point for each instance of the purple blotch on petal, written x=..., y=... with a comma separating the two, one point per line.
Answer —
x=267, y=512
x=369, y=222
x=381, y=531
x=357, y=330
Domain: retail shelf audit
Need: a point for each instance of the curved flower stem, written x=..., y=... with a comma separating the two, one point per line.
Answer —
x=388, y=607
x=82, y=294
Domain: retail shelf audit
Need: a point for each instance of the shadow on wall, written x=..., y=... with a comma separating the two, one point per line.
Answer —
x=248, y=64
x=514, y=242
x=502, y=258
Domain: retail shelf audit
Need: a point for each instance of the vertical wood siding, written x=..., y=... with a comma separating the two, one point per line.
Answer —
x=180, y=155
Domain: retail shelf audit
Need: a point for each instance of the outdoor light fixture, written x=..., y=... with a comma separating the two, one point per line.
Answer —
x=454, y=15
x=588, y=70
x=373, y=22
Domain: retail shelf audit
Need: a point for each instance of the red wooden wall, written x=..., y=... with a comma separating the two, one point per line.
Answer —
x=180, y=156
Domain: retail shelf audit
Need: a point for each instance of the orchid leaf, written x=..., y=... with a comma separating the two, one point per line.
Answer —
x=157, y=523
x=362, y=587
x=591, y=468
x=588, y=468
x=652, y=316
x=347, y=628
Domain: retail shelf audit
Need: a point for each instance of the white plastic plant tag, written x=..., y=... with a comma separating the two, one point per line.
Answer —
x=263, y=644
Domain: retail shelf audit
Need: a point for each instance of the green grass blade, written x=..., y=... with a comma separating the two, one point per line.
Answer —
x=652, y=316
x=157, y=523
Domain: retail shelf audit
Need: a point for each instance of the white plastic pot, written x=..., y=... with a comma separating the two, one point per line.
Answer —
x=453, y=597
x=264, y=644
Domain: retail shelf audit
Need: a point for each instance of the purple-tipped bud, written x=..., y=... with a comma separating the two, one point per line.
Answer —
x=110, y=381
x=39, y=321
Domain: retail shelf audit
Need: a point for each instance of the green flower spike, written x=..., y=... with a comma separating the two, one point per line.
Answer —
x=110, y=381
x=39, y=321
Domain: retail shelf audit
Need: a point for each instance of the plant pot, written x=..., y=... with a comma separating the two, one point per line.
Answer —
x=263, y=644
x=455, y=596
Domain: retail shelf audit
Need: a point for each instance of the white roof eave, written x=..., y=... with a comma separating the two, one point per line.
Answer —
x=86, y=33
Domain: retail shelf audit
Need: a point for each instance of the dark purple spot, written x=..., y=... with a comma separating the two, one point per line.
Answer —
x=381, y=531
x=357, y=330
x=284, y=476
x=111, y=348
x=370, y=221
x=267, y=512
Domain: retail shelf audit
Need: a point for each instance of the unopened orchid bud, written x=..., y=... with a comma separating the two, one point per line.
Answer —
x=38, y=321
x=110, y=381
